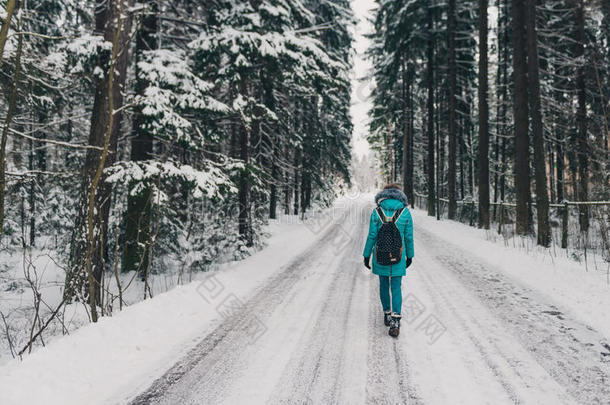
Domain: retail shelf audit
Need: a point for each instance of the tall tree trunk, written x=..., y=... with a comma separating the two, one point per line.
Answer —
x=32, y=196
x=542, y=198
x=405, y=128
x=245, y=224
x=560, y=135
x=496, y=175
x=520, y=112
x=411, y=153
x=405, y=152
x=234, y=142
x=438, y=166
x=441, y=179
x=559, y=161
x=12, y=103
x=94, y=260
x=274, y=181
x=287, y=194
x=388, y=159
x=309, y=155
x=393, y=151
x=308, y=189
x=502, y=73
x=483, y=119
x=297, y=162
x=12, y=6
x=430, y=108
x=460, y=139
x=503, y=168
x=303, y=189
x=582, y=144
x=286, y=180
x=469, y=148
x=606, y=32
x=245, y=229
x=104, y=131
x=138, y=217
x=451, y=26
x=551, y=165
x=40, y=162
x=273, y=201
x=118, y=93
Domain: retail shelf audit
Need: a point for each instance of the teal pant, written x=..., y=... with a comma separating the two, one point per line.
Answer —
x=384, y=293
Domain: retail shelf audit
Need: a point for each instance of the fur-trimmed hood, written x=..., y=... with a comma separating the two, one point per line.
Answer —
x=392, y=194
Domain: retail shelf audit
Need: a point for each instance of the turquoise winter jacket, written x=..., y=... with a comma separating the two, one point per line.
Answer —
x=391, y=200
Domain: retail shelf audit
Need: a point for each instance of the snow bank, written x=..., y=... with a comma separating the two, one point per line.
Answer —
x=119, y=356
x=584, y=293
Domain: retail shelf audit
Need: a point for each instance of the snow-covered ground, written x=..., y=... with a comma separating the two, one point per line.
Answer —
x=583, y=292
x=26, y=272
x=22, y=273
x=141, y=341
x=300, y=321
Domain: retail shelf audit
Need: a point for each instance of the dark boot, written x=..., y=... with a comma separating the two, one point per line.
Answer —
x=387, y=317
x=394, y=325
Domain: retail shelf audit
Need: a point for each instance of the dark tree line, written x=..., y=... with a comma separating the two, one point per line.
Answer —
x=506, y=102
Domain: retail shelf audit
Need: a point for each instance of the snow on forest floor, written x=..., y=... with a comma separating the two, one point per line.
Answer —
x=143, y=338
x=300, y=321
x=585, y=292
x=20, y=269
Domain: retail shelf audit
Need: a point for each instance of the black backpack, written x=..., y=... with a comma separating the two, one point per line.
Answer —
x=388, y=249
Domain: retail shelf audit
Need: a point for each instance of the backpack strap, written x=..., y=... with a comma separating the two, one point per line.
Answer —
x=381, y=214
x=397, y=214
x=384, y=218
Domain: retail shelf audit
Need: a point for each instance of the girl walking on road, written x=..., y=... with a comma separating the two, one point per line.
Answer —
x=390, y=243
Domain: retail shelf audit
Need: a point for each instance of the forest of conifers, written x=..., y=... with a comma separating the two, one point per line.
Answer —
x=144, y=135
x=482, y=104
x=152, y=136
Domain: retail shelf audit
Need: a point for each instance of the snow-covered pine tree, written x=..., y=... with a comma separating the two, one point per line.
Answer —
x=398, y=45
x=272, y=70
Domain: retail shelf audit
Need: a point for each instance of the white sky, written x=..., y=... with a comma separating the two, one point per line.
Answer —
x=361, y=89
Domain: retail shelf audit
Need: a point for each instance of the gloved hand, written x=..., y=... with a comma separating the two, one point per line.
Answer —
x=409, y=261
x=366, y=262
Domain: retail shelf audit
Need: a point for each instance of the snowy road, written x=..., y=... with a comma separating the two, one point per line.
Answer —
x=471, y=334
